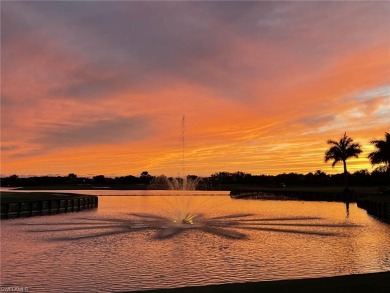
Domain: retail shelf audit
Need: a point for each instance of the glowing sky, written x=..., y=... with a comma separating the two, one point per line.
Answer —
x=91, y=87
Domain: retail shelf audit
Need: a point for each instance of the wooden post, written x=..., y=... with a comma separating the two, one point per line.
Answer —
x=19, y=209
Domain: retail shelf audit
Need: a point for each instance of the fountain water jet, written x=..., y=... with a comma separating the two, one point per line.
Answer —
x=184, y=183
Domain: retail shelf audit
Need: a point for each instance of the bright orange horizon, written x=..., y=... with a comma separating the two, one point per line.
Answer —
x=101, y=87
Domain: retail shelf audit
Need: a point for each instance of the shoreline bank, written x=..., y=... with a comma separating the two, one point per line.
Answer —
x=376, y=204
x=370, y=282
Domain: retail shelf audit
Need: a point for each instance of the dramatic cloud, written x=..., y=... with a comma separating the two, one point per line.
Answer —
x=100, y=87
x=101, y=132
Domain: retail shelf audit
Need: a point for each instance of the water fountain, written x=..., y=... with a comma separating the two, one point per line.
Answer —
x=183, y=215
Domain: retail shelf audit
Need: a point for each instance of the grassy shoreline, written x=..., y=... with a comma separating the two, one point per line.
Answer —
x=367, y=192
x=371, y=193
x=371, y=282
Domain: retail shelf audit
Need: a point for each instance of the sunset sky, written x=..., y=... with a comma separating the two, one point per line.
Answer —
x=92, y=87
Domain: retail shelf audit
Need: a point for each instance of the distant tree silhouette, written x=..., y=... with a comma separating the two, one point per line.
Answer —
x=72, y=178
x=342, y=150
x=144, y=174
x=382, y=153
x=99, y=179
x=145, y=177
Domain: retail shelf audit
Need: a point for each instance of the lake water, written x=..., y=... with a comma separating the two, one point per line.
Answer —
x=115, y=248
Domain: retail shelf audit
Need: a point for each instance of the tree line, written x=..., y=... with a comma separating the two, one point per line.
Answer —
x=339, y=151
x=219, y=180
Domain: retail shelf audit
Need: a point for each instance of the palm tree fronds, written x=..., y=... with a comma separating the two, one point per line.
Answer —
x=341, y=151
x=382, y=153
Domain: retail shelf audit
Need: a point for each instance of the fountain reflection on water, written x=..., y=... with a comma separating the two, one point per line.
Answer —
x=230, y=226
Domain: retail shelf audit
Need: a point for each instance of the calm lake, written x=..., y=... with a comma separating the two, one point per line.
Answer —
x=115, y=248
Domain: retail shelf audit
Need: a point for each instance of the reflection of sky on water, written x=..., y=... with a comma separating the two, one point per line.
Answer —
x=133, y=243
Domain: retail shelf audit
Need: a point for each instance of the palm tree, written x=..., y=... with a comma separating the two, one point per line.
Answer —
x=382, y=153
x=340, y=151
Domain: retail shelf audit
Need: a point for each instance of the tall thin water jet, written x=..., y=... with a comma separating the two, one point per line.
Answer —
x=183, y=128
x=183, y=182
